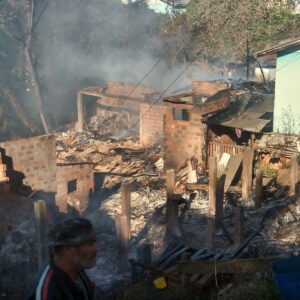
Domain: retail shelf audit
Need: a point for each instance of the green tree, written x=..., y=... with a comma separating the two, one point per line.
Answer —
x=221, y=28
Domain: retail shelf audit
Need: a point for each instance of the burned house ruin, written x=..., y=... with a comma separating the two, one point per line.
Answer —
x=172, y=182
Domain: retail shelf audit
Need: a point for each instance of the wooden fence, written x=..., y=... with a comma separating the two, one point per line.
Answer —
x=215, y=149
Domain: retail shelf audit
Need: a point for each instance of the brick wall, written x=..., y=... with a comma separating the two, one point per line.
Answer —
x=84, y=176
x=183, y=139
x=31, y=161
x=151, y=124
x=117, y=102
x=126, y=89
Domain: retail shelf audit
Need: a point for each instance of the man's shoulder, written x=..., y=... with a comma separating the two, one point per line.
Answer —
x=46, y=287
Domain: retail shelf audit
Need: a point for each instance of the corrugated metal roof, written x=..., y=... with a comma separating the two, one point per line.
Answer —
x=258, y=114
x=280, y=47
x=249, y=122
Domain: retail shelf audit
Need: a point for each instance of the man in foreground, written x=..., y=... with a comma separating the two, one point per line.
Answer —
x=74, y=244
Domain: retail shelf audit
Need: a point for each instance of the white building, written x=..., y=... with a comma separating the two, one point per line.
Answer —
x=162, y=6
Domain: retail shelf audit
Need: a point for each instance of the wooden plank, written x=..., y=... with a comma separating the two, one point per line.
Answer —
x=197, y=186
x=231, y=169
x=236, y=266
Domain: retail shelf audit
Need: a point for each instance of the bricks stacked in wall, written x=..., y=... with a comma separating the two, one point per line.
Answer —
x=151, y=124
x=113, y=103
x=32, y=162
x=3, y=168
x=126, y=89
x=84, y=176
x=183, y=139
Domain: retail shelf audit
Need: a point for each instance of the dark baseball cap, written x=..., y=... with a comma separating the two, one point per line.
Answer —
x=71, y=232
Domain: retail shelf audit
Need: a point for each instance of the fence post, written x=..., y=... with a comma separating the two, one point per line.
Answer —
x=212, y=186
x=122, y=234
x=258, y=188
x=41, y=225
x=293, y=174
x=247, y=172
x=126, y=204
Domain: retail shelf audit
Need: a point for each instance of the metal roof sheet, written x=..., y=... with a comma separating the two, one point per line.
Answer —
x=248, y=121
x=280, y=47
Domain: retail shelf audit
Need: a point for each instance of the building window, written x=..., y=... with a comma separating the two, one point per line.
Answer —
x=180, y=114
x=72, y=186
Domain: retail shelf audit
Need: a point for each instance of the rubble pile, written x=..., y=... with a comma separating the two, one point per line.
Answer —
x=112, y=123
x=117, y=159
x=276, y=224
x=147, y=227
x=18, y=259
x=284, y=144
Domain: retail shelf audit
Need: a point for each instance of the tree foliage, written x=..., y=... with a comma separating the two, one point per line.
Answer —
x=221, y=28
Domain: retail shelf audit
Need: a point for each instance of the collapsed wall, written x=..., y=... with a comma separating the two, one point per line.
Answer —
x=31, y=162
x=75, y=184
x=122, y=109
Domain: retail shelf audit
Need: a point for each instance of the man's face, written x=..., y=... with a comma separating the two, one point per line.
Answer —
x=84, y=256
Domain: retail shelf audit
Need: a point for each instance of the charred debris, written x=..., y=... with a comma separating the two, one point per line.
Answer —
x=177, y=186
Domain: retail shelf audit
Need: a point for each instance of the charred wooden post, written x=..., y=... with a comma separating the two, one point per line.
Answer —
x=41, y=225
x=122, y=234
x=219, y=201
x=293, y=174
x=210, y=241
x=147, y=255
x=172, y=205
x=170, y=182
x=258, y=188
x=126, y=203
x=239, y=225
x=247, y=172
x=212, y=187
x=184, y=277
x=80, y=112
